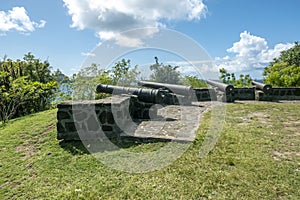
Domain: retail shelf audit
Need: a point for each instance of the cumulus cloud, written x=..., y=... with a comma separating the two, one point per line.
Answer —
x=17, y=19
x=110, y=17
x=250, y=53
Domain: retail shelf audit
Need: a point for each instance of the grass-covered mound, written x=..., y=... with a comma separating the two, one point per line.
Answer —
x=256, y=157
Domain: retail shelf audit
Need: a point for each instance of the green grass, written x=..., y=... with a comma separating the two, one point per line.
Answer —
x=256, y=157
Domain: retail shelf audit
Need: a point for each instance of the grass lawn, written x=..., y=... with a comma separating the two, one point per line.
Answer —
x=257, y=157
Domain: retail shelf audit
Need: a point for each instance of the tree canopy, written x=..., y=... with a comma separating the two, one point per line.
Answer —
x=229, y=78
x=194, y=82
x=85, y=81
x=284, y=71
x=164, y=73
x=170, y=74
x=26, y=86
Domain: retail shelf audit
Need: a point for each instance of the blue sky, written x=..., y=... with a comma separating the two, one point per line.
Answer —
x=241, y=36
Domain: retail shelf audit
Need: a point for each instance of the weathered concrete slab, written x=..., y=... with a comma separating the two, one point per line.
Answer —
x=177, y=123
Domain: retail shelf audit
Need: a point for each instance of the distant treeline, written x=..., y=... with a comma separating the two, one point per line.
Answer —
x=83, y=83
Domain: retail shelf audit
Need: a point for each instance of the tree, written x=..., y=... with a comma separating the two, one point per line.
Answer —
x=123, y=74
x=24, y=97
x=64, y=91
x=60, y=77
x=26, y=87
x=194, y=82
x=284, y=71
x=87, y=79
x=229, y=78
x=164, y=73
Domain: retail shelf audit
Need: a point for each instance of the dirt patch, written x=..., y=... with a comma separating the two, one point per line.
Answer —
x=283, y=155
x=4, y=184
x=47, y=130
x=245, y=121
x=296, y=134
x=28, y=150
x=13, y=184
x=294, y=127
x=291, y=123
x=291, y=141
x=260, y=116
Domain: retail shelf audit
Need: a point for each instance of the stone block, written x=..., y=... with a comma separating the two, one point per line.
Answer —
x=92, y=123
x=80, y=116
x=60, y=127
x=244, y=93
x=102, y=117
x=70, y=127
x=63, y=115
x=91, y=117
x=107, y=128
x=110, y=118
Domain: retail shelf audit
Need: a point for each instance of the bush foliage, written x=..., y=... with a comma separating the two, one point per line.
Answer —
x=285, y=70
x=26, y=86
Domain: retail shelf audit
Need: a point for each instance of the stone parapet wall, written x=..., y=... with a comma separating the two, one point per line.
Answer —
x=286, y=93
x=244, y=93
x=211, y=94
x=278, y=94
x=248, y=94
x=205, y=94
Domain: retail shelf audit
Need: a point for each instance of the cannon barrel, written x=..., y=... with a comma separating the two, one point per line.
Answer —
x=173, y=88
x=228, y=89
x=266, y=88
x=143, y=94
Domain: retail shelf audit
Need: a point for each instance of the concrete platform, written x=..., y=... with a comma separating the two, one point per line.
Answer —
x=177, y=123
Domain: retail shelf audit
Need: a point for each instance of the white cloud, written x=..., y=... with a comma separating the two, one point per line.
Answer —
x=17, y=19
x=41, y=24
x=88, y=54
x=250, y=53
x=204, y=69
x=110, y=17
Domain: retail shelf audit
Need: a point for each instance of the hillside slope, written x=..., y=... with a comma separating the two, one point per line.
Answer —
x=256, y=157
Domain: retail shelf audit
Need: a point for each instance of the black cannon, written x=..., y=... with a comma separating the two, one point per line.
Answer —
x=266, y=88
x=176, y=94
x=143, y=94
x=173, y=88
x=228, y=89
x=226, y=92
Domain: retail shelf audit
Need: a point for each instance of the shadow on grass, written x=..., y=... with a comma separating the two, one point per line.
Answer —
x=74, y=147
x=78, y=148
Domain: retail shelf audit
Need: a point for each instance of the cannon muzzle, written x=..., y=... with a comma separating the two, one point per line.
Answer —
x=228, y=89
x=266, y=88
